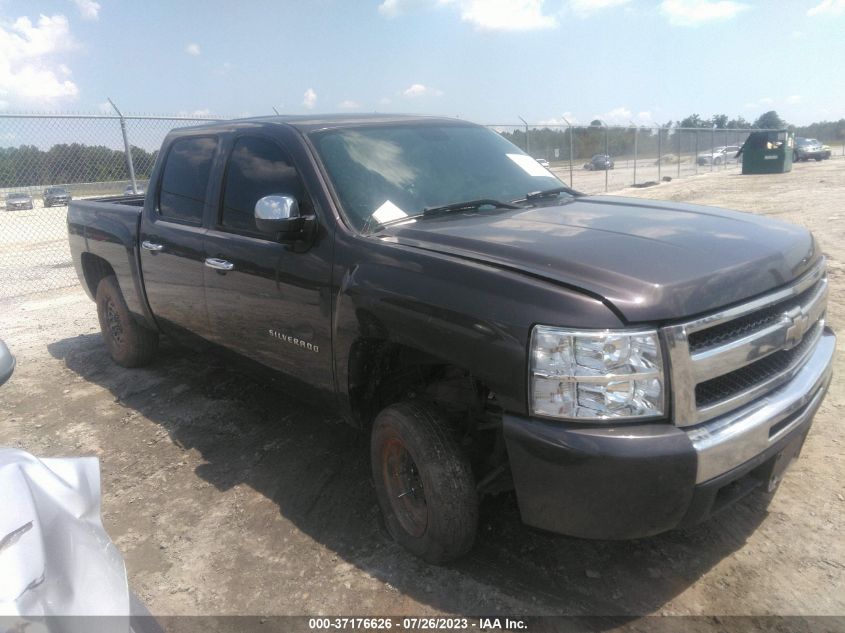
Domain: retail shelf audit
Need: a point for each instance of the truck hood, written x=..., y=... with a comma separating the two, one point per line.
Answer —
x=652, y=260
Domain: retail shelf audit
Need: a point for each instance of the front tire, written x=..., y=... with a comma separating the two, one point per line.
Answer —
x=130, y=344
x=424, y=482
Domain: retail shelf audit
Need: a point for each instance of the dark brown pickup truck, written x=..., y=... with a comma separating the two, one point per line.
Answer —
x=626, y=366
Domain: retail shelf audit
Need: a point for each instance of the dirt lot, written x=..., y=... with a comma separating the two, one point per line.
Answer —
x=227, y=497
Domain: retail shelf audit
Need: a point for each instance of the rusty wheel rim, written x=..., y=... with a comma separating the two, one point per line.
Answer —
x=404, y=487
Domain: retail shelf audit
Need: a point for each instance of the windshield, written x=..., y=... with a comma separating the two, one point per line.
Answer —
x=388, y=172
x=18, y=196
x=56, y=190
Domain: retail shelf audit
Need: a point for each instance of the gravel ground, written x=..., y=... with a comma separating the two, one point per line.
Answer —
x=227, y=497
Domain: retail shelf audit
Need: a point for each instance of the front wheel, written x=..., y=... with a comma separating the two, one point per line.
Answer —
x=130, y=344
x=423, y=482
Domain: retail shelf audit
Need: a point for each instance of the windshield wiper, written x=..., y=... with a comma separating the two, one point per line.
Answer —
x=372, y=225
x=547, y=193
x=468, y=205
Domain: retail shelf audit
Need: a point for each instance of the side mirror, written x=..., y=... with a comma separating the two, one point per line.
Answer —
x=7, y=363
x=279, y=215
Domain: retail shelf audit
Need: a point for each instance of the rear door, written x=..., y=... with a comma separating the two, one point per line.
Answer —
x=268, y=301
x=172, y=235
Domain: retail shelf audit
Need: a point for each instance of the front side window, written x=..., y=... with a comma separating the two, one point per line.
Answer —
x=257, y=167
x=185, y=179
x=386, y=172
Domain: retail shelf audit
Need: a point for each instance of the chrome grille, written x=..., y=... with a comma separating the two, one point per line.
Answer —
x=725, y=360
x=742, y=326
x=735, y=382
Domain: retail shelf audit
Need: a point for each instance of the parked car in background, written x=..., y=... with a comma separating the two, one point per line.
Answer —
x=131, y=191
x=807, y=148
x=719, y=155
x=543, y=162
x=55, y=196
x=18, y=201
x=599, y=161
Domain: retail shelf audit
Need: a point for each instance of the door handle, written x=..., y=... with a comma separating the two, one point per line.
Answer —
x=151, y=246
x=219, y=264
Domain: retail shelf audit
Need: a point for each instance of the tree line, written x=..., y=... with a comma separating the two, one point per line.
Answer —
x=65, y=164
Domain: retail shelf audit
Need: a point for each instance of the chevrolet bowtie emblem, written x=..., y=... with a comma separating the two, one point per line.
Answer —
x=797, y=321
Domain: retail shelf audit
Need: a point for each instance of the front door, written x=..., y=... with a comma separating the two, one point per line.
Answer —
x=267, y=300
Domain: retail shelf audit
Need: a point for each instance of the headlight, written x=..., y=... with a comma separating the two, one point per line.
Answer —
x=598, y=375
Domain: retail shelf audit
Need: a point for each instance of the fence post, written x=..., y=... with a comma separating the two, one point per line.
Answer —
x=695, y=156
x=606, y=152
x=636, y=133
x=527, y=141
x=126, y=147
x=570, y=151
x=659, y=153
x=679, y=152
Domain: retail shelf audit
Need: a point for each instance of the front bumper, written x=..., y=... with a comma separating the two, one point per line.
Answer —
x=632, y=481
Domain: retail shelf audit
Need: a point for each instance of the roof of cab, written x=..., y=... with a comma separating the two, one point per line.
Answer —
x=312, y=122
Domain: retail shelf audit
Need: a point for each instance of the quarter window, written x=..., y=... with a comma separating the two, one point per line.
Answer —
x=185, y=179
x=257, y=168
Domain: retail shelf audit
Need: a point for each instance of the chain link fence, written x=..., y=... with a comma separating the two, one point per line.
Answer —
x=45, y=157
x=90, y=156
x=638, y=155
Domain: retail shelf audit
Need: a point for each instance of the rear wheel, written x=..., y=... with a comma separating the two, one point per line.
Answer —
x=130, y=344
x=423, y=482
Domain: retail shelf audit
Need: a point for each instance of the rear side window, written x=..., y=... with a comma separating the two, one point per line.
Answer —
x=257, y=168
x=185, y=179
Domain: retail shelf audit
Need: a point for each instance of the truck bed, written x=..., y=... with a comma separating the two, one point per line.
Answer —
x=103, y=234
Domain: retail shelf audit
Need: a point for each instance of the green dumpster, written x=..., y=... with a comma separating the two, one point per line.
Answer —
x=768, y=152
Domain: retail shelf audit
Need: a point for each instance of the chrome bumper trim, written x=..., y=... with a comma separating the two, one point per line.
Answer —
x=728, y=441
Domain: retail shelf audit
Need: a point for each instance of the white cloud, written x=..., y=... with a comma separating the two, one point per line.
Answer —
x=624, y=116
x=695, y=12
x=583, y=8
x=29, y=75
x=794, y=99
x=489, y=15
x=193, y=49
x=504, y=15
x=392, y=8
x=201, y=113
x=309, y=99
x=827, y=7
x=554, y=121
x=348, y=104
x=760, y=103
x=88, y=9
x=419, y=90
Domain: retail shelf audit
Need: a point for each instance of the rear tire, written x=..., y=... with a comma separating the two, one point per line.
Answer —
x=130, y=344
x=424, y=482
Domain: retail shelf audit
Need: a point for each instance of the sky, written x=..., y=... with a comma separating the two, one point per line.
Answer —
x=489, y=61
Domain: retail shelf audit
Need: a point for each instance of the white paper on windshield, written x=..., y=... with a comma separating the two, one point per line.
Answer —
x=388, y=212
x=529, y=165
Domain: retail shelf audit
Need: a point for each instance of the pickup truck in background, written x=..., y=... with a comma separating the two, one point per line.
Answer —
x=627, y=366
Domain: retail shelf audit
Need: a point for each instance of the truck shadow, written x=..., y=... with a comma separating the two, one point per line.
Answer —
x=315, y=470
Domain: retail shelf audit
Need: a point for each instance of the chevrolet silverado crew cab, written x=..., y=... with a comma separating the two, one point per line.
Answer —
x=626, y=366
